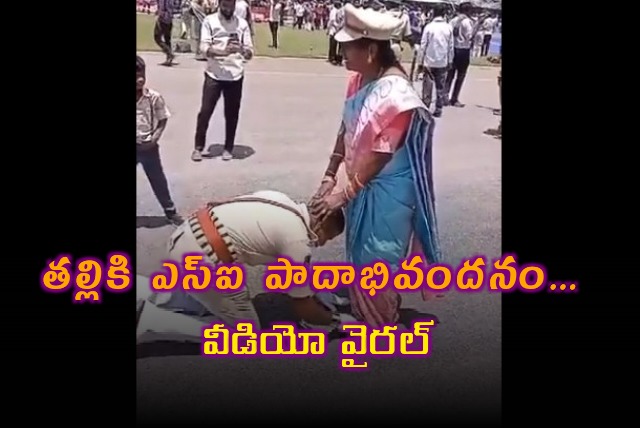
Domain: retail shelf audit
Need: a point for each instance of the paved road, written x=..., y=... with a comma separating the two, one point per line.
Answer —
x=289, y=119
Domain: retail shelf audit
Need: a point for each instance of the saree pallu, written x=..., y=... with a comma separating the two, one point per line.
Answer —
x=394, y=214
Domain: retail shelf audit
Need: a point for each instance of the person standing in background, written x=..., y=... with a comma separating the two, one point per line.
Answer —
x=308, y=16
x=199, y=13
x=162, y=29
x=210, y=6
x=336, y=21
x=187, y=18
x=243, y=10
x=416, y=34
x=317, y=16
x=283, y=12
x=275, y=15
x=227, y=44
x=478, y=35
x=299, y=11
x=325, y=15
x=462, y=38
x=152, y=115
x=403, y=32
x=435, y=58
x=489, y=26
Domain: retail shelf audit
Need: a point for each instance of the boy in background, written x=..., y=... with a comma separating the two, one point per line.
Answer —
x=151, y=119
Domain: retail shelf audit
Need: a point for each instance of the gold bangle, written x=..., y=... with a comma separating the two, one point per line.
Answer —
x=339, y=155
x=329, y=173
x=328, y=178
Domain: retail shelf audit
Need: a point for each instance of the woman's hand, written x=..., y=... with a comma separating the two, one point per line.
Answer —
x=323, y=208
x=326, y=187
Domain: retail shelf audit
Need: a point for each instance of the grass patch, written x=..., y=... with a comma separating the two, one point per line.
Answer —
x=293, y=43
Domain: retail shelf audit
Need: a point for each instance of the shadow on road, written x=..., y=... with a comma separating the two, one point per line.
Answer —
x=493, y=132
x=492, y=109
x=151, y=222
x=239, y=151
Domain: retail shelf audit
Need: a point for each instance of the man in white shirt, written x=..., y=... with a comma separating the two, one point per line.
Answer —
x=478, y=35
x=488, y=27
x=335, y=23
x=462, y=40
x=299, y=11
x=403, y=32
x=226, y=42
x=436, y=56
x=275, y=15
x=243, y=10
x=253, y=230
x=199, y=12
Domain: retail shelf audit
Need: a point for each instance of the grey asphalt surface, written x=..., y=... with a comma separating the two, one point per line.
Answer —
x=289, y=118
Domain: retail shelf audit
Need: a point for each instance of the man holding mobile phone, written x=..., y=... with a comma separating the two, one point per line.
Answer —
x=226, y=42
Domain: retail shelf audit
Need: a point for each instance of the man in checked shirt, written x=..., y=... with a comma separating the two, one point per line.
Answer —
x=163, y=27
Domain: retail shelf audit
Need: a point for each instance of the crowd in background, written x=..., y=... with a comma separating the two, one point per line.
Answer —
x=315, y=15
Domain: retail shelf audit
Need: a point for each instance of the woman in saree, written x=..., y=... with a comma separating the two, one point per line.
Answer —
x=385, y=143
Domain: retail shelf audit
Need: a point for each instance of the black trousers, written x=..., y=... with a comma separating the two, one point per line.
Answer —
x=162, y=35
x=486, y=42
x=211, y=91
x=299, y=22
x=435, y=77
x=149, y=157
x=273, y=26
x=335, y=55
x=461, y=60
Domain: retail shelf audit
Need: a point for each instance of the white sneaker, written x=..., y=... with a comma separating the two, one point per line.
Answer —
x=226, y=155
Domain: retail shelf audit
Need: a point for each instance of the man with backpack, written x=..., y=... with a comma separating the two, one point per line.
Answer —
x=463, y=32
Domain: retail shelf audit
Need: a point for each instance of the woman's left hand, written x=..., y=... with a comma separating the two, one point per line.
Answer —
x=325, y=207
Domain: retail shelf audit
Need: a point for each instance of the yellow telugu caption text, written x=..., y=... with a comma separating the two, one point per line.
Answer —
x=284, y=341
x=413, y=274
x=88, y=276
